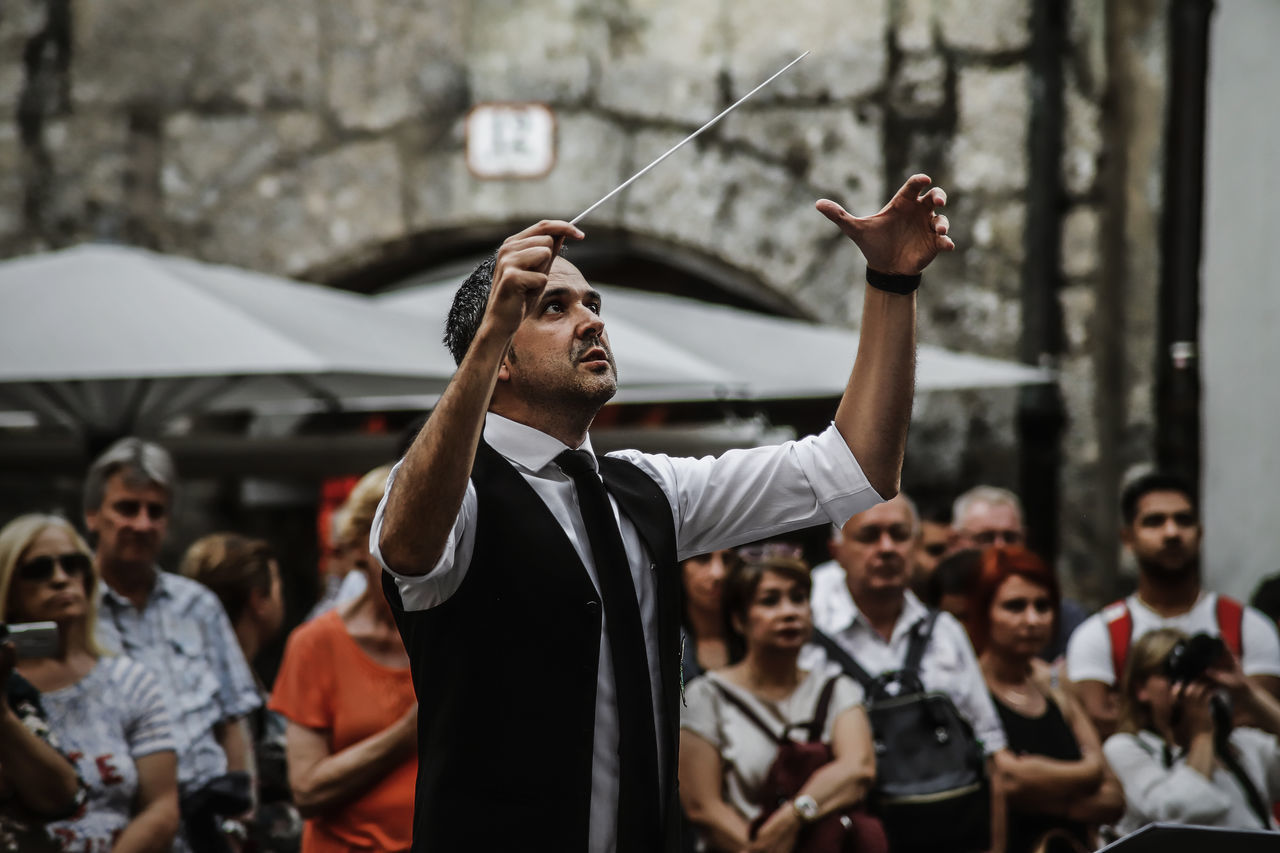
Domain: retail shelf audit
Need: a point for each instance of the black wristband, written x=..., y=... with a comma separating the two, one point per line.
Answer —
x=890, y=283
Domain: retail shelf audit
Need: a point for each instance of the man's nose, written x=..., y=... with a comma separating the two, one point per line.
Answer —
x=717, y=567
x=592, y=325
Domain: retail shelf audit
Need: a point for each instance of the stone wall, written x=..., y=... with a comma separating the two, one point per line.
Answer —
x=314, y=138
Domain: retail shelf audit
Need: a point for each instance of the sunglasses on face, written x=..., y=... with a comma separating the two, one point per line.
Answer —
x=41, y=568
x=130, y=509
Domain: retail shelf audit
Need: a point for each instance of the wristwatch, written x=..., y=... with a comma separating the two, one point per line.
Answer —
x=805, y=807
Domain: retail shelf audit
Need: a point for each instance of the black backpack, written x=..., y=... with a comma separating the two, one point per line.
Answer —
x=931, y=790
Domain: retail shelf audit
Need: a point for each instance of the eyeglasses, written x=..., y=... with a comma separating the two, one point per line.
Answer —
x=40, y=569
x=989, y=537
x=870, y=534
x=771, y=551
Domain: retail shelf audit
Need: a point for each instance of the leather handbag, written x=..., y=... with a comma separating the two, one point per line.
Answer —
x=851, y=830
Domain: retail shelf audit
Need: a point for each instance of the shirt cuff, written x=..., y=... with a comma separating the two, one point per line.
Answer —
x=375, y=529
x=837, y=480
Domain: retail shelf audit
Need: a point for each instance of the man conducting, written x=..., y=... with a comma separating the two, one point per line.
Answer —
x=536, y=585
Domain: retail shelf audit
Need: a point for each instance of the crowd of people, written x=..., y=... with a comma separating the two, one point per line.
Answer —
x=1158, y=708
x=534, y=643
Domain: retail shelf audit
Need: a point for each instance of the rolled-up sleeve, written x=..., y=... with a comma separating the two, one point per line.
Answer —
x=746, y=495
x=422, y=592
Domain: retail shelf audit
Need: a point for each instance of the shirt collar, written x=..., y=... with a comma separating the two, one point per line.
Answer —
x=162, y=587
x=913, y=610
x=529, y=448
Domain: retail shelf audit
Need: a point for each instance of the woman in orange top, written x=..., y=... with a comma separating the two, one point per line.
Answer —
x=344, y=686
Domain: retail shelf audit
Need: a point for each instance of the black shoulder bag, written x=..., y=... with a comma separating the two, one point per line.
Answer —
x=931, y=791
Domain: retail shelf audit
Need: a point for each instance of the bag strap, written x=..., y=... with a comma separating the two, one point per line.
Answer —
x=1228, y=756
x=750, y=714
x=921, y=632
x=819, y=721
x=1231, y=624
x=1120, y=627
x=851, y=667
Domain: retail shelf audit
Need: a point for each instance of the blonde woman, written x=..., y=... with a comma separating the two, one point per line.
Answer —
x=344, y=687
x=106, y=712
x=1175, y=761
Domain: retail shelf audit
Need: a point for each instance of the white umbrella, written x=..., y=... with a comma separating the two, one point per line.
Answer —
x=114, y=338
x=762, y=357
x=117, y=339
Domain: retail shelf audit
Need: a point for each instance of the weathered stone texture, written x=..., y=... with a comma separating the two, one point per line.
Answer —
x=835, y=150
x=209, y=157
x=231, y=51
x=341, y=203
x=848, y=58
x=989, y=26
x=1080, y=242
x=389, y=60
x=990, y=149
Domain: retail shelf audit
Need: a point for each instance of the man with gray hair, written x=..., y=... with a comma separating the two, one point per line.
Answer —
x=987, y=516
x=178, y=629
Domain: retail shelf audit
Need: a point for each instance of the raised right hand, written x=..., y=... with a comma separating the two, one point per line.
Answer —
x=520, y=275
x=1197, y=712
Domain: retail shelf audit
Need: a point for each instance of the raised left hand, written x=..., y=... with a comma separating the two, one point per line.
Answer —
x=905, y=235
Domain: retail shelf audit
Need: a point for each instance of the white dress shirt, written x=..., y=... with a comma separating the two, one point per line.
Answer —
x=739, y=497
x=949, y=665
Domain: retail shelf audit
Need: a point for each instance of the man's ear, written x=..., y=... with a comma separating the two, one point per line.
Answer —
x=91, y=520
x=1126, y=535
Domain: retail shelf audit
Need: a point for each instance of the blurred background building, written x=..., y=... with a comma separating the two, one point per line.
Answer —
x=326, y=140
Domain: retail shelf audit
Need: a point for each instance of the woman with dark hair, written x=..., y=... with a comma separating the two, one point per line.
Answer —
x=1054, y=777
x=1179, y=759
x=245, y=576
x=725, y=750
x=705, y=645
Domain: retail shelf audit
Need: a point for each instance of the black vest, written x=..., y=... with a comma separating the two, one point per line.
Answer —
x=505, y=672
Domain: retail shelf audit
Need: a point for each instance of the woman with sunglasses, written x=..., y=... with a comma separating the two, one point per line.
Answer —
x=107, y=712
x=703, y=643
x=1056, y=783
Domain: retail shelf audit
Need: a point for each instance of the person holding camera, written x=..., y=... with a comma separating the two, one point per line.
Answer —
x=107, y=712
x=1177, y=755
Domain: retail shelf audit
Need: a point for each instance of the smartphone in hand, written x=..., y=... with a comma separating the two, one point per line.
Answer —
x=31, y=639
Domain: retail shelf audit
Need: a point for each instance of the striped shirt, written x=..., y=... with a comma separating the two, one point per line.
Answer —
x=105, y=722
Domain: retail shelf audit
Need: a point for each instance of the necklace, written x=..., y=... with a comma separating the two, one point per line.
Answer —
x=1022, y=696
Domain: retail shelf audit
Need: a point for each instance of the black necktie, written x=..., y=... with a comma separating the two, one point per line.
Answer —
x=638, y=808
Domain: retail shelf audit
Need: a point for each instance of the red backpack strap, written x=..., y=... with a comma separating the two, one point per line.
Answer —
x=1120, y=626
x=1231, y=624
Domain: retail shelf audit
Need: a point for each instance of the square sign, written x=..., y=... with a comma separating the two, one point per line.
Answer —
x=510, y=140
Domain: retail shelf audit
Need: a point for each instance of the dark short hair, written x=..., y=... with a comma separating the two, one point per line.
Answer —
x=231, y=565
x=955, y=574
x=467, y=310
x=1156, y=481
x=997, y=566
x=740, y=590
x=1267, y=597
